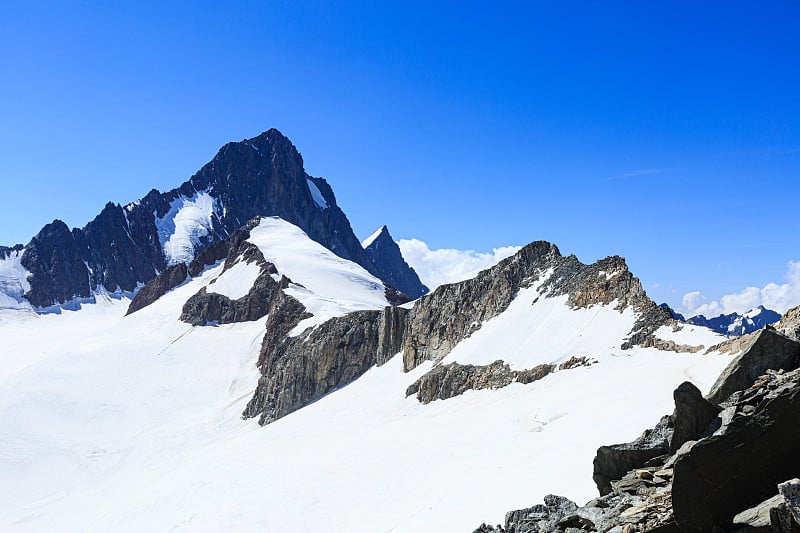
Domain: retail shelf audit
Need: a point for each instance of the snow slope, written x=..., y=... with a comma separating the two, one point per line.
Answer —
x=114, y=423
x=324, y=283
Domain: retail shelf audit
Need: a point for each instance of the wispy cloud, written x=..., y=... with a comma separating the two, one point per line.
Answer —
x=778, y=297
x=447, y=265
x=637, y=173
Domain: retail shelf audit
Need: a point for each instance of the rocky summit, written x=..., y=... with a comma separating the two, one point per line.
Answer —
x=124, y=247
x=390, y=266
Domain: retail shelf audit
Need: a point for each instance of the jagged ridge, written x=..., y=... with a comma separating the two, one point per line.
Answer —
x=124, y=247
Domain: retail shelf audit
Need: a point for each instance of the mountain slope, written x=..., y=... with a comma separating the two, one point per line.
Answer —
x=124, y=247
x=535, y=308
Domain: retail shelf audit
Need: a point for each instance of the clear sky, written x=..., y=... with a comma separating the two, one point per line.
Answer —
x=668, y=133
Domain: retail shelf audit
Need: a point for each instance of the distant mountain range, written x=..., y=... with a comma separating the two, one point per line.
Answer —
x=733, y=324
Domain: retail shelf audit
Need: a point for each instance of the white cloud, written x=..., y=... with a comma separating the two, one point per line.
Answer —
x=779, y=298
x=447, y=265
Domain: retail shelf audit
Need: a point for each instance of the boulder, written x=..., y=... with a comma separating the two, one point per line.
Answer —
x=759, y=516
x=790, y=490
x=613, y=462
x=723, y=474
x=693, y=415
x=767, y=350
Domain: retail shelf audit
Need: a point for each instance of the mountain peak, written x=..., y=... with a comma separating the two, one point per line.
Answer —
x=125, y=247
x=385, y=254
x=380, y=233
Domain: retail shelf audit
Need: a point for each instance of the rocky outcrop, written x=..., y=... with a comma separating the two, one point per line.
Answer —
x=5, y=251
x=177, y=274
x=554, y=514
x=390, y=266
x=122, y=248
x=158, y=287
x=789, y=324
x=205, y=308
x=56, y=263
x=767, y=349
x=614, y=461
x=213, y=308
x=442, y=319
x=296, y=370
x=447, y=381
x=693, y=415
x=742, y=464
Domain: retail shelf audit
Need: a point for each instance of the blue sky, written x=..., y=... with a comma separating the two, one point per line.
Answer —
x=669, y=134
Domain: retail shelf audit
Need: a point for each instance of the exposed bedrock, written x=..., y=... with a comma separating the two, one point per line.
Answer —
x=296, y=370
x=442, y=319
x=447, y=381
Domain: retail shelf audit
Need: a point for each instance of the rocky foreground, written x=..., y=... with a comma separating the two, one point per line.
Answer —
x=728, y=462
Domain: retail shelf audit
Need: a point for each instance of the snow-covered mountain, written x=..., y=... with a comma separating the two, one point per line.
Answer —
x=735, y=324
x=125, y=247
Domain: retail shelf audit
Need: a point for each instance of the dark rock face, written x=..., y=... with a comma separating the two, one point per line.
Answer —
x=727, y=473
x=159, y=286
x=298, y=370
x=675, y=314
x=390, y=266
x=693, y=415
x=5, y=251
x=447, y=381
x=613, y=462
x=121, y=247
x=735, y=324
x=56, y=263
x=767, y=350
x=214, y=308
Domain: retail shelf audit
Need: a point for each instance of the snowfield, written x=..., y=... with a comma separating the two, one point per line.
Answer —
x=115, y=423
x=327, y=285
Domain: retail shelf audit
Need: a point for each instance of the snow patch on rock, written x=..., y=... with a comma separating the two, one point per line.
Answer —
x=316, y=194
x=237, y=281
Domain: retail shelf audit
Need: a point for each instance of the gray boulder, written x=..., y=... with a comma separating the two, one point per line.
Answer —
x=693, y=415
x=767, y=350
x=613, y=462
x=723, y=474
